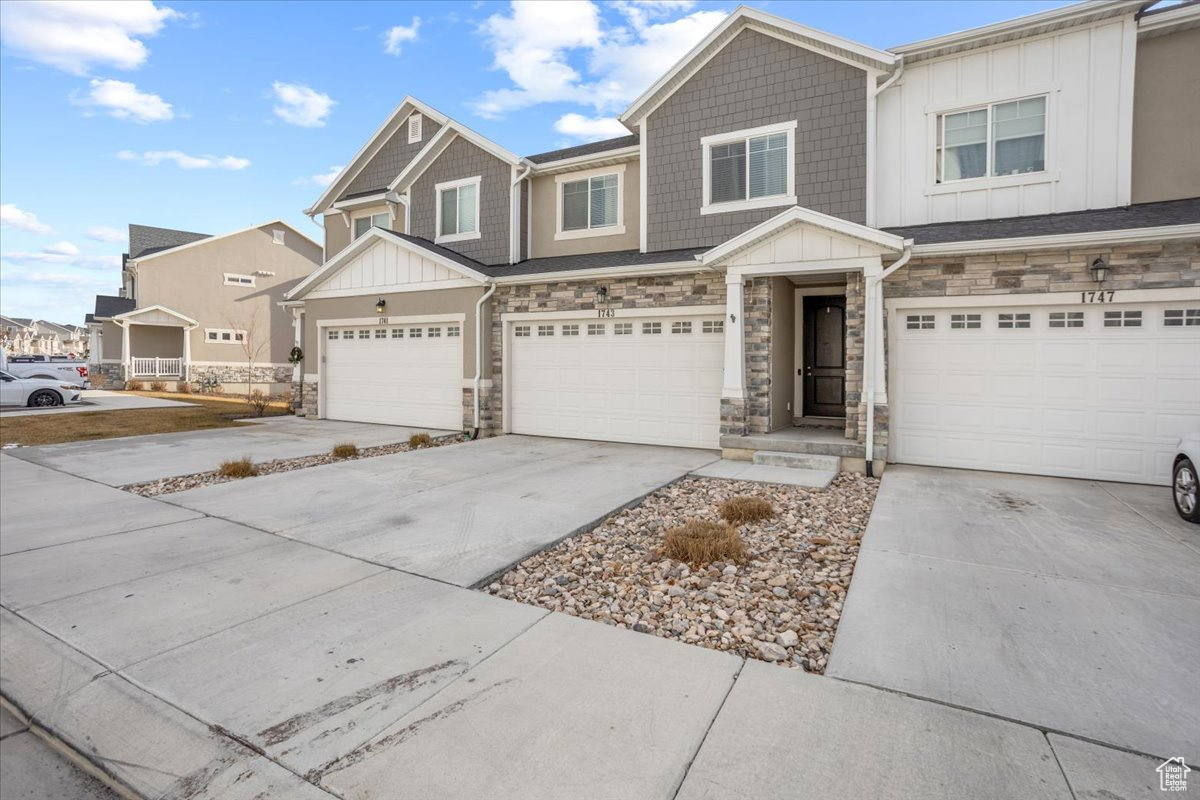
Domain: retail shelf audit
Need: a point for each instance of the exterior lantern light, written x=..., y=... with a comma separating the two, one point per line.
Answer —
x=602, y=293
x=380, y=306
x=733, y=318
x=1099, y=269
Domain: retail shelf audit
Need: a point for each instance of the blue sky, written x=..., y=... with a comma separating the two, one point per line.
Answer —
x=213, y=117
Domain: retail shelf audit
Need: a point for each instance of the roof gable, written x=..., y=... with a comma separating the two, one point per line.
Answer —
x=275, y=223
x=146, y=239
x=801, y=234
x=156, y=315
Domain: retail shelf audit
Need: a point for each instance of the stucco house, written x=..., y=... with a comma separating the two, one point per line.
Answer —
x=981, y=250
x=195, y=307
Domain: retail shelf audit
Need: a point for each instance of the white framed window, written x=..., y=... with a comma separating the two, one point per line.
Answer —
x=590, y=203
x=965, y=321
x=545, y=330
x=1123, y=319
x=367, y=221
x=457, y=210
x=233, y=279
x=278, y=236
x=381, y=333
x=681, y=327
x=415, y=125
x=397, y=333
x=347, y=334
x=365, y=333
x=225, y=336
x=331, y=334
x=414, y=333
x=435, y=333
x=596, y=328
x=713, y=326
x=1179, y=317
x=992, y=140
x=622, y=328
x=651, y=328
x=919, y=322
x=752, y=168
x=453, y=331
x=520, y=330
x=1013, y=321
x=1066, y=319
x=570, y=330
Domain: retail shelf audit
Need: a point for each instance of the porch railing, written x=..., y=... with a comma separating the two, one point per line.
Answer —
x=157, y=367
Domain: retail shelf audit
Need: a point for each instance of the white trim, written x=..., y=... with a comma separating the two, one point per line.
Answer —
x=415, y=120
x=354, y=221
x=618, y=154
x=462, y=236
x=410, y=319
x=1061, y=240
x=240, y=363
x=989, y=180
x=359, y=202
x=233, y=333
x=484, y=383
x=995, y=182
x=713, y=309
x=788, y=198
x=1121, y=297
x=1168, y=17
x=1124, y=121
x=819, y=267
x=587, y=175
x=128, y=316
x=212, y=239
x=804, y=216
x=423, y=160
x=401, y=288
x=643, y=187
x=236, y=279
x=869, y=182
x=673, y=268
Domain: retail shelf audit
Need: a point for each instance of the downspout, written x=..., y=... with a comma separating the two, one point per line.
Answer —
x=479, y=352
x=875, y=315
x=514, y=213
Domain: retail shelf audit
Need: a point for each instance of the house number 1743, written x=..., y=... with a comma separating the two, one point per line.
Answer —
x=1096, y=297
x=605, y=313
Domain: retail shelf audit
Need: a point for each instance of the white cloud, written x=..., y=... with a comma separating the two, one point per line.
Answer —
x=75, y=35
x=71, y=259
x=13, y=217
x=302, y=105
x=589, y=129
x=61, y=249
x=103, y=233
x=568, y=52
x=152, y=158
x=398, y=34
x=322, y=179
x=123, y=100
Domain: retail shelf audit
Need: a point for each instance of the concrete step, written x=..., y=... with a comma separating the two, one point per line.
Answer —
x=765, y=473
x=778, y=458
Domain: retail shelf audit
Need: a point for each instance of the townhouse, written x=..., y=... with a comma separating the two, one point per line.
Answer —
x=979, y=250
x=196, y=307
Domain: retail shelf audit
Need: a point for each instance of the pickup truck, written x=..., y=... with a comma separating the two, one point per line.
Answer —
x=58, y=368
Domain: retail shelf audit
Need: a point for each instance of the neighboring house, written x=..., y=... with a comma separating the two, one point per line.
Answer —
x=981, y=250
x=196, y=307
x=25, y=336
x=16, y=335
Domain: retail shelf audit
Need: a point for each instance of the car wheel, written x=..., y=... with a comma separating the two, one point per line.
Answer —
x=45, y=398
x=1186, y=489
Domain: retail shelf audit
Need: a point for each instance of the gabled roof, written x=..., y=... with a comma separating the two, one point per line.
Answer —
x=146, y=239
x=589, y=149
x=108, y=306
x=53, y=326
x=845, y=50
x=555, y=265
x=208, y=239
x=799, y=215
x=15, y=322
x=156, y=311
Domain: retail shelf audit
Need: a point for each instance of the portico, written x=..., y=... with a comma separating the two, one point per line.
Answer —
x=155, y=343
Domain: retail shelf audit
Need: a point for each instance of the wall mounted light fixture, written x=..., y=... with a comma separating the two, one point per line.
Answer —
x=380, y=306
x=1099, y=269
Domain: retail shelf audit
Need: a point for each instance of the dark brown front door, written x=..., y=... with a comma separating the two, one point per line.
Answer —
x=824, y=356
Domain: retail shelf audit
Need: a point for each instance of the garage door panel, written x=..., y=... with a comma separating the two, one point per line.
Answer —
x=1090, y=402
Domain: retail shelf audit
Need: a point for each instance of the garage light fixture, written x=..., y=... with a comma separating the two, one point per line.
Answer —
x=1099, y=269
x=602, y=294
x=380, y=306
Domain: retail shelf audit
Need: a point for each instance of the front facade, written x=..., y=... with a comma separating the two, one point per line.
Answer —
x=203, y=309
x=972, y=251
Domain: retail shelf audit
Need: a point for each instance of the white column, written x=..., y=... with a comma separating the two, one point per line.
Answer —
x=187, y=353
x=126, y=357
x=872, y=355
x=735, y=344
x=297, y=336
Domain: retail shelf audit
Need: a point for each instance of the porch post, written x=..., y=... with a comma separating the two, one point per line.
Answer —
x=187, y=354
x=126, y=357
x=735, y=345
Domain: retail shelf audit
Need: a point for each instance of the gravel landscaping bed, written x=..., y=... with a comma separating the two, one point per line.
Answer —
x=196, y=480
x=782, y=605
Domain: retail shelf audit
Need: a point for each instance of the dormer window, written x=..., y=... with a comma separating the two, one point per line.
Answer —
x=753, y=168
x=365, y=223
x=415, y=122
x=992, y=140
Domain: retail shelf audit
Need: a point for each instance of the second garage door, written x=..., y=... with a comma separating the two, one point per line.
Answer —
x=395, y=374
x=646, y=380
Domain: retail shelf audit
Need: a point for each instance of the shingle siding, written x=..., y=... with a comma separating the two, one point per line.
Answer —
x=757, y=80
x=391, y=159
x=461, y=159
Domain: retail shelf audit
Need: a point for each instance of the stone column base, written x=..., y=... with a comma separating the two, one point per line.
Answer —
x=733, y=416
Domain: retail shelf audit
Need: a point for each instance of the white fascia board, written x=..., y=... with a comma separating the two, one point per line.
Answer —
x=210, y=239
x=128, y=316
x=578, y=162
x=436, y=145
x=638, y=271
x=1169, y=18
x=805, y=216
x=742, y=16
x=358, y=202
x=1061, y=240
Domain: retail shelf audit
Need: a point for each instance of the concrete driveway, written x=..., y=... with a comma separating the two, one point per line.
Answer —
x=1072, y=605
x=99, y=400
x=134, y=459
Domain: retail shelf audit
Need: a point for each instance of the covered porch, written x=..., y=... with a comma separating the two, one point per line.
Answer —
x=804, y=366
x=155, y=343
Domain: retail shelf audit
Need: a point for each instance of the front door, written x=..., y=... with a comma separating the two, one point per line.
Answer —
x=824, y=367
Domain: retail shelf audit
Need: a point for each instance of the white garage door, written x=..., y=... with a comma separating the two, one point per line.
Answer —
x=1084, y=391
x=395, y=374
x=643, y=379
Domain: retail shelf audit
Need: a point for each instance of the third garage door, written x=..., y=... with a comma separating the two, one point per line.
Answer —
x=648, y=380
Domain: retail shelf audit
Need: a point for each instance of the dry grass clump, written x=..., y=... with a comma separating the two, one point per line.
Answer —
x=158, y=386
x=744, y=508
x=239, y=468
x=183, y=387
x=347, y=450
x=134, y=386
x=700, y=541
x=420, y=440
x=258, y=400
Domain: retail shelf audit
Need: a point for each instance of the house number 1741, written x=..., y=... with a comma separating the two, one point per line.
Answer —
x=1096, y=297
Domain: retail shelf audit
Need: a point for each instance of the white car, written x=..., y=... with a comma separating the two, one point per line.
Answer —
x=1184, y=483
x=42, y=392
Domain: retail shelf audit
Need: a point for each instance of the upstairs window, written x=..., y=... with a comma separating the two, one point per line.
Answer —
x=993, y=140
x=457, y=210
x=415, y=123
x=232, y=279
x=591, y=203
x=750, y=169
x=364, y=224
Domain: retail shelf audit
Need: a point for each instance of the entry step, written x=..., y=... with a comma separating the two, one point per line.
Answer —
x=767, y=473
x=814, y=461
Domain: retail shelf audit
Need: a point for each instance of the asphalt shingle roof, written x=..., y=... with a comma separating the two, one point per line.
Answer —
x=1142, y=215
x=621, y=258
x=110, y=306
x=585, y=149
x=144, y=239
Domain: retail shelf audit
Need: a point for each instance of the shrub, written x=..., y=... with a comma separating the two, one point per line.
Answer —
x=134, y=386
x=700, y=541
x=183, y=387
x=743, y=508
x=348, y=450
x=158, y=386
x=420, y=440
x=240, y=468
x=259, y=400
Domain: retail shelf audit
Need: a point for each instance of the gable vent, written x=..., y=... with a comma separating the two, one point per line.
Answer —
x=414, y=128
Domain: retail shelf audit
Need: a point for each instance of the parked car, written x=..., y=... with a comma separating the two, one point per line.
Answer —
x=1184, y=483
x=59, y=368
x=17, y=391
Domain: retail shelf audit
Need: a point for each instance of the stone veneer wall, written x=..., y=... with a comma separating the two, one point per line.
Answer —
x=757, y=320
x=112, y=376
x=308, y=397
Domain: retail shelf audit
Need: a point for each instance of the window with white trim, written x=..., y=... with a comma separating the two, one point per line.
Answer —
x=595, y=329
x=622, y=329
x=545, y=330
x=224, y=336
x=365, y=223
x=365, y=333
x=453, y=331
x=961, y=321
x=1123, y=319
x=1012, y=321
x=520, y=330
x=713, y=326
x=381, y=333
x=919, y=322
x=233, y=279
x=1179, y=317
x=435, y=333
x=347, y=334
x=397, y=333
x=415, y=124
x=590, y=203
x=1066, y=319
x=331, y=334
x=457, y=210
x=570, y=330
x=414, y=333
x=651, y=328
x=681, y=327
x=992, y=140
x=753, y=168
